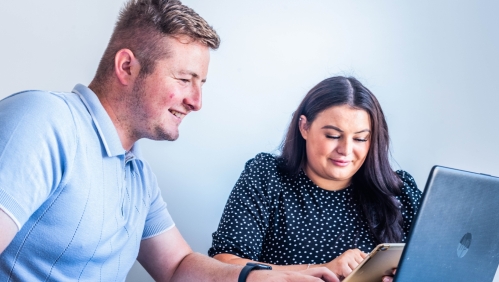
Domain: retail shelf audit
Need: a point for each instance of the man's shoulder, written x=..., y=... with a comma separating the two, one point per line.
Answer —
x=34, y=94
x=40, y=114
x=39, y=101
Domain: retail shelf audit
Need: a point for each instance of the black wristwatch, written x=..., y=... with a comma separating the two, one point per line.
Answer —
x=249, y=267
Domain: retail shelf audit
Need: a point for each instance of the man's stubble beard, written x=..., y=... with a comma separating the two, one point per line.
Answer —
x=152, y=131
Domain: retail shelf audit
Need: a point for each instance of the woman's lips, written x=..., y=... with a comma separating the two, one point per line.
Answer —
x=341, y=163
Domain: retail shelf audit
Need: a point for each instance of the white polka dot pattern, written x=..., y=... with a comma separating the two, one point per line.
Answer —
x=273, y=218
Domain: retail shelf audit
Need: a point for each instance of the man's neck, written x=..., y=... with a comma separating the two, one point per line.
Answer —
x=113, y=108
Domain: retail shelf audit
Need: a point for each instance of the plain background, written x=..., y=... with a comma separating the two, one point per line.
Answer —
x=433, y=65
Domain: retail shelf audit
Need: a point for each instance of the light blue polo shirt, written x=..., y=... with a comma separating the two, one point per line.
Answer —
x=82, y=203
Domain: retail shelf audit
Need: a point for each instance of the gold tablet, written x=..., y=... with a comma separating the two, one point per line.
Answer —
x=380, y=262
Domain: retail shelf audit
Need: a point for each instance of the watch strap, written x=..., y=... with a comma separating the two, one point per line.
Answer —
x=249, y=267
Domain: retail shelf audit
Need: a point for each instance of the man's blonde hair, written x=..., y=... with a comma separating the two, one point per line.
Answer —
x=143, y=24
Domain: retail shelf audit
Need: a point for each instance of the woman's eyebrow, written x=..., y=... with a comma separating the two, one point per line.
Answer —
x=332, y=127
x=363, y=130
x=339, y=130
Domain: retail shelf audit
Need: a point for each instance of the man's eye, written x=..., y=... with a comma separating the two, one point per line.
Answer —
x=184, y=80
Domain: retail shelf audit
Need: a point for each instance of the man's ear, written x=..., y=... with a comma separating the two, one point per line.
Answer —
x=303, y=126
x=126, y=66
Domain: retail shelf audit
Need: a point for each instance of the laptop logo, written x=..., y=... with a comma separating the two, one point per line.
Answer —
x=464, y=245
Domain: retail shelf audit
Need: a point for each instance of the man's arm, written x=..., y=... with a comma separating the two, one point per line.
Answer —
x=9, y=230
x=167, y=257
x=161, y=255
x=342, y=265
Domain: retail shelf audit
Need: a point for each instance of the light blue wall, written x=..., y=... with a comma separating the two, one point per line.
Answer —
x=434, y=65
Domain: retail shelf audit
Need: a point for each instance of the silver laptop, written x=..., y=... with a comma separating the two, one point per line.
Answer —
x=455, y=236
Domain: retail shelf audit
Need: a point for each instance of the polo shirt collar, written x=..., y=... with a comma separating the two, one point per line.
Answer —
x=105, y=127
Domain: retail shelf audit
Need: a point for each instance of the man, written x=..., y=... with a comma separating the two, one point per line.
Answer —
x=77, y=202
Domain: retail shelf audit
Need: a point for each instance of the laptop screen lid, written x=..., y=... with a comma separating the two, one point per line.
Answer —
x=455, y=236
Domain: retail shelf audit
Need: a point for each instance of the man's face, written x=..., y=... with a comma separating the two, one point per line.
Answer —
x=160, y=100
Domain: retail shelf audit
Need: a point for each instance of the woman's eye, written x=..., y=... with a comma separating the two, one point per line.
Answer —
x=361, y=140
x=332, y=137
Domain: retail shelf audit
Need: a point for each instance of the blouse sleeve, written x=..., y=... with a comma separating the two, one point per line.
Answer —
x=410, y=200
x=245, y=219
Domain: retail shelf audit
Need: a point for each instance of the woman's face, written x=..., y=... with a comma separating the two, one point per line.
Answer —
x=337, y=143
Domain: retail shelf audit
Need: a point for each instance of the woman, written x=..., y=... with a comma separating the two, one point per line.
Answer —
x=329, y=198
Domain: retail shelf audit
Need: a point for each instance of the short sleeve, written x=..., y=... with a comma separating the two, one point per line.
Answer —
x=245, y=219
x=158, y=219
x=37, y=146
x=410, y=200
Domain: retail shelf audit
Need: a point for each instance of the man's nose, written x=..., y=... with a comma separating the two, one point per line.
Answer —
x=194, y=99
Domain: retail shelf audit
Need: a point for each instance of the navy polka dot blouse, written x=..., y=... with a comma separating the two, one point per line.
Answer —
x=272, y=218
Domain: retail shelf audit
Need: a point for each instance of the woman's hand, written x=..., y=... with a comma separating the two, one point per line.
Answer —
x=389, y=278
x=346, y=262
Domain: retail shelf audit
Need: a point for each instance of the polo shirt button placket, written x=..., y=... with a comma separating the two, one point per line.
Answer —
x=123, y=187
x=128, y=158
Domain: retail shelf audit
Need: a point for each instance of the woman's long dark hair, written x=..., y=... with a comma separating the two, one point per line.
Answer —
x=375, y=183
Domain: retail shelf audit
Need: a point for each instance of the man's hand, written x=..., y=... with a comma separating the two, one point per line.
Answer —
x=317, y=274
x=344, y=264
x=8, y=230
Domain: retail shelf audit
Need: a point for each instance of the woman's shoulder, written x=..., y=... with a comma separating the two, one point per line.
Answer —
x=409, y=187
x=262, y=162
x=260, y=176
x=406, y=178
